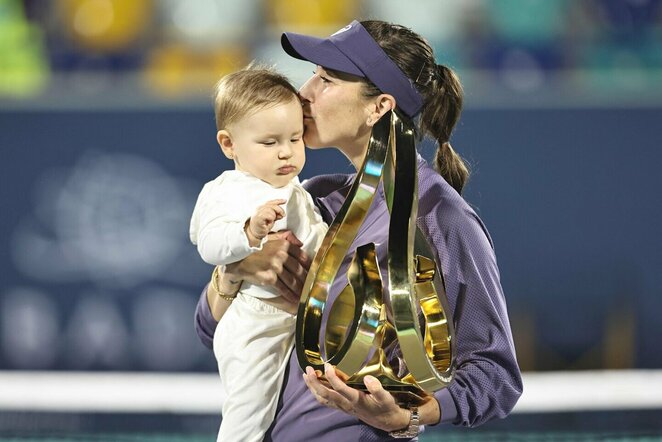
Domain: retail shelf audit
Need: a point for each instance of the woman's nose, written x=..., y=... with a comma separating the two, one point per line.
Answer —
x=305, y=93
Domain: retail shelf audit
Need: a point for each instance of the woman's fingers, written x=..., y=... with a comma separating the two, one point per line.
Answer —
x=291, y=245
x=288, y=292
x=293, y=274
x=324, y=395
x=377, y=408
x=377, y=390
x=349, y=393
x=296, y=269
x=280, y=264
x=289, y=236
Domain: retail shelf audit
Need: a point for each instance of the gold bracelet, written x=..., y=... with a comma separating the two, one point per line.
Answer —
x=226, y=297
x=214, y=285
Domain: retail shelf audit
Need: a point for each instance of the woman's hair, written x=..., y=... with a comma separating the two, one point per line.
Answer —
x=249, y=90
x=439, y=86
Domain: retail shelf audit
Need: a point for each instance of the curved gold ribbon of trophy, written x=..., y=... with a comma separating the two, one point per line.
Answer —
x=362, y=327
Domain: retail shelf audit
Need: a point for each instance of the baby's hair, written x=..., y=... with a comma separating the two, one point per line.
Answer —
x=256, y=87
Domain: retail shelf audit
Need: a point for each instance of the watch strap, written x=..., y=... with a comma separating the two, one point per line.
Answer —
x=412, y=429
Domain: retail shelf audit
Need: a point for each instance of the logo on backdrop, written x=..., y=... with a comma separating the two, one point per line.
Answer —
x=113, y=219
x=109, y=268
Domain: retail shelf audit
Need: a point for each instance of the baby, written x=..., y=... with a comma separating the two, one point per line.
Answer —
x=260, y=127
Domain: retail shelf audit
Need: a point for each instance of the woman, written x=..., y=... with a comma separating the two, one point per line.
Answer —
x=363, y=71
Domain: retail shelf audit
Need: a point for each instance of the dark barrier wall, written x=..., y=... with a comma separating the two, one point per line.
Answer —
x=97, y=271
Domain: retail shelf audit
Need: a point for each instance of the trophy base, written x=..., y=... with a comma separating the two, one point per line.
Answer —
x=404, y=390
x=403, y=395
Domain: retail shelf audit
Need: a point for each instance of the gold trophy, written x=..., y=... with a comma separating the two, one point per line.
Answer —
x=363, y=327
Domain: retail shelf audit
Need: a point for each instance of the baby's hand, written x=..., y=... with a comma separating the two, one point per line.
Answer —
x=260, y=224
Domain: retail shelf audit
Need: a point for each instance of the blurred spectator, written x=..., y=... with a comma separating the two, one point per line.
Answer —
x=444, y=23
x=23, y=68
x=199, y=42
x=317, y=16
x=177, y=49
x=523, y=41
x=91, y=43
x=622, y=49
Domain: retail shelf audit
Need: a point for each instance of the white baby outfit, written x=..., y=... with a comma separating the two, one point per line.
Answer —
x=253, y=340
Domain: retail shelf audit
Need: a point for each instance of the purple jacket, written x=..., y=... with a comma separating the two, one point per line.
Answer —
x=487, y=381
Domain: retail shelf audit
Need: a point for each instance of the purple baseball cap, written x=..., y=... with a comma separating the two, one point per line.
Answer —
x=352, y=50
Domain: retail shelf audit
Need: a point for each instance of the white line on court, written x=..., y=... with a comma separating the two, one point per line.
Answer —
x=189, y=393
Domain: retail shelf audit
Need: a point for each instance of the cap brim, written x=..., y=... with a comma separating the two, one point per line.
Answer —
x=318, y=51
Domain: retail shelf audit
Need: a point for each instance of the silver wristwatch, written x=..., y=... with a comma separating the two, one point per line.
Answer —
x=412, y=430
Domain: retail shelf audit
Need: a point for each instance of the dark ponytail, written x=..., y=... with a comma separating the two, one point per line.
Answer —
x=440, y=115
x=440, y=87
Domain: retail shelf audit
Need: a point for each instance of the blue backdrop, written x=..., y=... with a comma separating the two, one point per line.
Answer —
x=97, y=272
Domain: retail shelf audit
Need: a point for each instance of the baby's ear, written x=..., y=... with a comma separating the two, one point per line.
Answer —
x=225, y=142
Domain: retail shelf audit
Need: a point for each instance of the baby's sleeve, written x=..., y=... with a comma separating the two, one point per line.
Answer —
x=217, y=226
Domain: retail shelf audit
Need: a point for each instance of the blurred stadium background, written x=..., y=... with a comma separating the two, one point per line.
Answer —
x=107, y=134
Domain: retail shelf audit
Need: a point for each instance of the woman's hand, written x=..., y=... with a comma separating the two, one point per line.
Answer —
x=376, y=408
x=280, y=264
